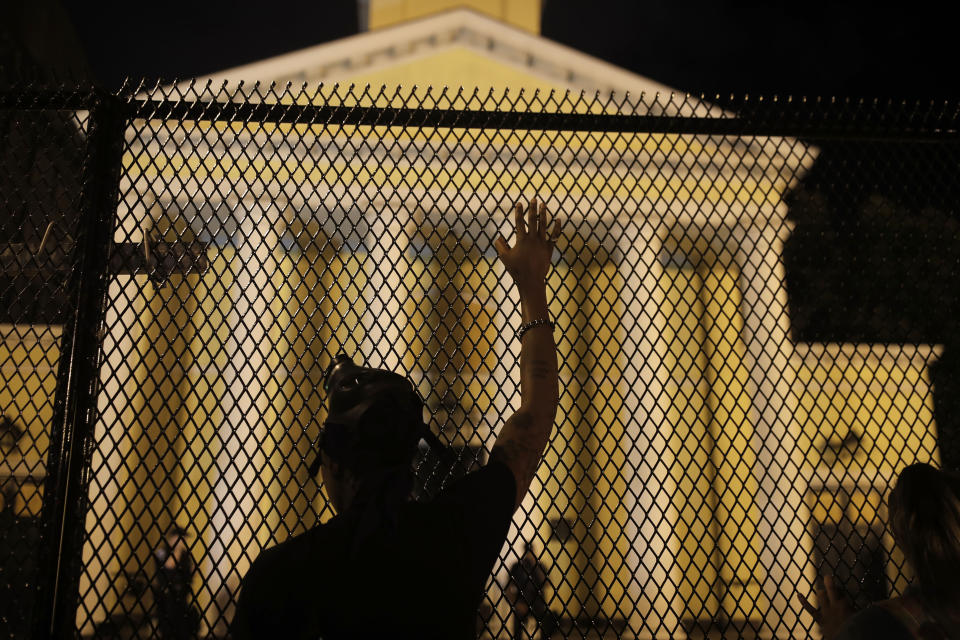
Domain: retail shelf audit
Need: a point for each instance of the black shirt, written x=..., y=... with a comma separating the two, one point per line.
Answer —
x=425, y=580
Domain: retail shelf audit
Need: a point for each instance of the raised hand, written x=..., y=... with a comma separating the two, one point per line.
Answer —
x=528, y=260
x=834, y=610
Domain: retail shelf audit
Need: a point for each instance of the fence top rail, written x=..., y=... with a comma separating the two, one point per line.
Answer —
x=814, y=119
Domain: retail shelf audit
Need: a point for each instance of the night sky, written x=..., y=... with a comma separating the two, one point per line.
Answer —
x=817, y=48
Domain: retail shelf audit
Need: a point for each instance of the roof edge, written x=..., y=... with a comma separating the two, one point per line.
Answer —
x=578, y=70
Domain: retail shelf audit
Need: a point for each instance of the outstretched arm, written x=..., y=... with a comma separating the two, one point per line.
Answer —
x=524, y=437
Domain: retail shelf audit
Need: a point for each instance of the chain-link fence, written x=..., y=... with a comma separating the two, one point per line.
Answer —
x=751, y=304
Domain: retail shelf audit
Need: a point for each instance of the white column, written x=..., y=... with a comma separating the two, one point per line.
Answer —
x=241, y=445
x=647, y=469
x=114, y=462
x=383, y=318
x=111, y=462
x=779, y=470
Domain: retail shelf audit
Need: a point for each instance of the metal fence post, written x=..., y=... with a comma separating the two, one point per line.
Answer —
x=65, y=490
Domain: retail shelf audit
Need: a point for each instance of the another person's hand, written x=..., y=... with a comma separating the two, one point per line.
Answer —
x=834, y=609
x=528, y=260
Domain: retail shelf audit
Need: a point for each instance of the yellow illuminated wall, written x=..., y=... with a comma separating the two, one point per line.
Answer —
x=876, y=395
x=450, y=334
x=580, y=481
x=716, y=537
x=523, y=14
x=29, y=357
x=451, y=68
x=864, y=413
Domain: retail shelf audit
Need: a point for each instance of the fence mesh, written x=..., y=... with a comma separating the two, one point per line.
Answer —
x=748, y=306
x=41, y=165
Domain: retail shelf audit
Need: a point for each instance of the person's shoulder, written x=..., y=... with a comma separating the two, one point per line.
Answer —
x=492, y=482
x=875, y=622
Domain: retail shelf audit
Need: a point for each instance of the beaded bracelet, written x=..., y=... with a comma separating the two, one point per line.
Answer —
x=533, y=323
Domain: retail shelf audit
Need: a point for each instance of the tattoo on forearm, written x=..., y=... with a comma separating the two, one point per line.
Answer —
x=521, y=449
x=522, y=421
x=542, y=370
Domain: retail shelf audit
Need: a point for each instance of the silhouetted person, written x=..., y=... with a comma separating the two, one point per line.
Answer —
x=924, y=509
x=528, y=580
x=177, y=619
x=386, y=567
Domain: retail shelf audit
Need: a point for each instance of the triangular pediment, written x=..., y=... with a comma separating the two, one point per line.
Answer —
x=453, y=49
